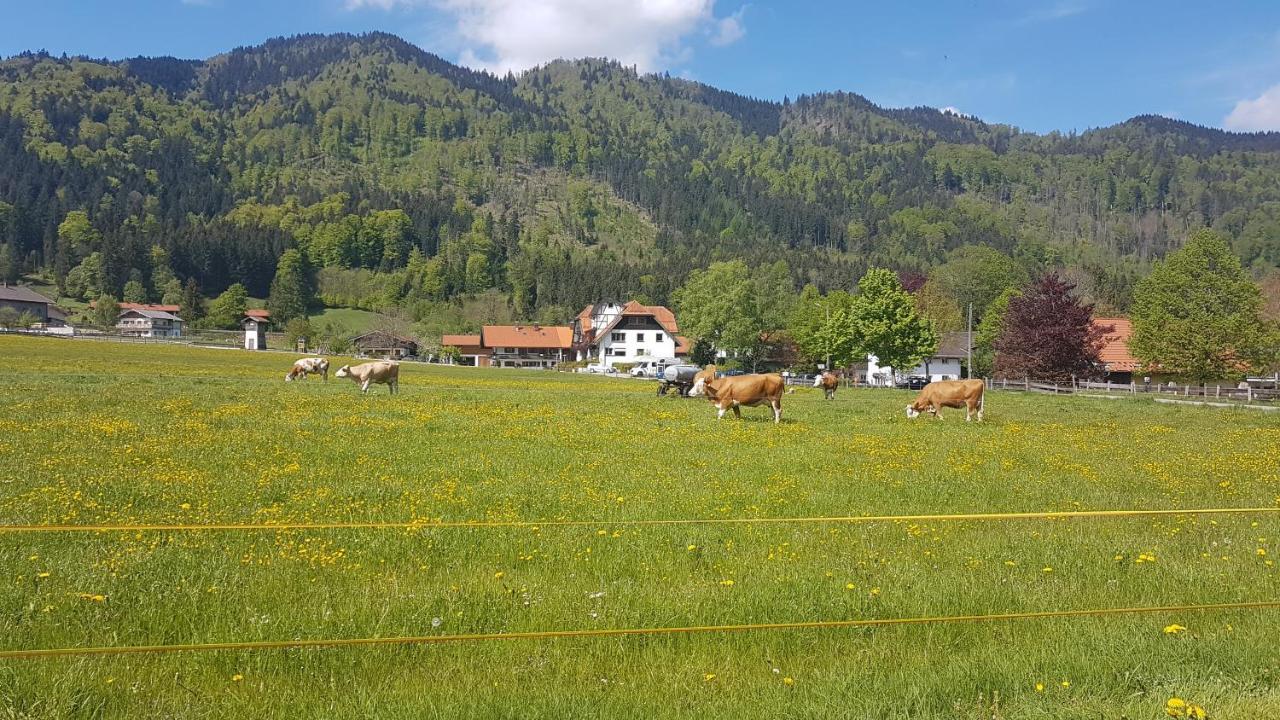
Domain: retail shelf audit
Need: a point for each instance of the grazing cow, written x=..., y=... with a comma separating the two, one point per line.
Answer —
x=828, y=382
x=967, y=394
x=385, y=372
x=749, y=390
x=301, y=368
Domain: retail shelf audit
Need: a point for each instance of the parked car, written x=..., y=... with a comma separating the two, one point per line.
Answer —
x=599, y=368
x=732, y=373
x=915, y=382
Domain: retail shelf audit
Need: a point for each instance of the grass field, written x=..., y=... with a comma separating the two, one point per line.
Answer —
x=118, y=434
x=355, y=320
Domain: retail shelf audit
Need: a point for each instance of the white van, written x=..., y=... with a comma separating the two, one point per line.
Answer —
x=651, y=367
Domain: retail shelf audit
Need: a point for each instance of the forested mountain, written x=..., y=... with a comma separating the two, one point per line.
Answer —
x=402, y=178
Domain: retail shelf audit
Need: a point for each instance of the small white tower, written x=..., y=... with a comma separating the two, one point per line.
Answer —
x=255, y=324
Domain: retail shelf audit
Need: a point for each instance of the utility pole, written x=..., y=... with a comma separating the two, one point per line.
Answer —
x=828, y=365
x=968, y=368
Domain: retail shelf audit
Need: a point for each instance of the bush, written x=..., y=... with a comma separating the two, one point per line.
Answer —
x=623, y=368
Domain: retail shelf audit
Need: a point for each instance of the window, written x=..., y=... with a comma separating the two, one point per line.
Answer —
x=619, y=352
x=657, y=337
x=639, y=337
x=618, y=337
x=636, y=321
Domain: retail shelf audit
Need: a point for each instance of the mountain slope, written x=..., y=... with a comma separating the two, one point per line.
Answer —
x=366, y=152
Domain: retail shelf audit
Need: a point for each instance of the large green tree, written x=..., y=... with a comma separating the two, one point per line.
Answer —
x=887, y=324
x=226, y=310
x=734, y=309
x=1197, y=315
x=291, y=288
x=976, y=274
x=984, y=336
x=192, y=307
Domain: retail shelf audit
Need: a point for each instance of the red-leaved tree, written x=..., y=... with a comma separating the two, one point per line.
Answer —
x=1048, y=334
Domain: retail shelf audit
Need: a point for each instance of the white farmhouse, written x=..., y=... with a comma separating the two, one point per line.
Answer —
x=609, y=333
x=138, y=322
x=947, y=363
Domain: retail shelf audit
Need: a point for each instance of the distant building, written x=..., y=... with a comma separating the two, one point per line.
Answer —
x=23, y=299
x=255, y=324
x=527, y=346
x=946, y=363
x=149, y=324
x=608, y=333
x=385, y=345
x=473, y=353
x=1118, y=365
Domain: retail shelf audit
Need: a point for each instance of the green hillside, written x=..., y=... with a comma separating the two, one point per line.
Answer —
x=572, y=182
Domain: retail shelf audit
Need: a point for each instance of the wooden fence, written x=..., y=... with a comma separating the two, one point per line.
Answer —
x=1230, y=393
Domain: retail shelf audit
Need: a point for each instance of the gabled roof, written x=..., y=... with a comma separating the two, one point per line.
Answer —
x=662, y=315
x=143, y=306
x=381, y=338
x=539, y=337
x=953, y=345
x=257, y=313
x=151, y=314
x=22, y=293
x=1115, y=350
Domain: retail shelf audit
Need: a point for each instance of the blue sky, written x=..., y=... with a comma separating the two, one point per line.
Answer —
x=1057, y=64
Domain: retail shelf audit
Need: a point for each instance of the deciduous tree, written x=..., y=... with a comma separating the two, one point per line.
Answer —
x=1197, y=315
x=887, y=325
x=1048, y=334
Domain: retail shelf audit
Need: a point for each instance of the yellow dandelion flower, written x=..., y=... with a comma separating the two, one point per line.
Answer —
x=237, y=677
x=788, y=681
x=1066, y=683
x=498, y=575
x=1046, y=569
x=708, y=677
x=875, y=592
x=42, y=575
x=1173, y=629
x=1039, y=687
x=727, y=582
x=849, y=586
x=691, y=548
x=1261, y=552
x=1196, y=712
x=185, y=506
x=1175, y=707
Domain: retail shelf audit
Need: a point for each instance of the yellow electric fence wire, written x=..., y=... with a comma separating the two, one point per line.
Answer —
x=447, y=524
x=572, y=634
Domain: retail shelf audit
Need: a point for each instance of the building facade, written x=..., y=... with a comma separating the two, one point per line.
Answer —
x=609, y=333
x=149, y=324
x=946, y=363
x=22, y=299
x=386, y=345
x=527, y=346
x=472, y=352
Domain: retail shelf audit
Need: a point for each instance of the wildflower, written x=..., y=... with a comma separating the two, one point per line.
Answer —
x=1173, y=629
x=691, y=548
x=708, y=677
x=42, y=575
x=727, y=582
x=185, y=506
x=1010, y=563
x=1176, y=707
x=875, y=592
x=1039, y=687
x=788, y=681
x=498, y=575
x=1066, y=683
x=1261, y=552
x=110, y=680
x=1046, y=569
x=849, y=586
x=237, y=677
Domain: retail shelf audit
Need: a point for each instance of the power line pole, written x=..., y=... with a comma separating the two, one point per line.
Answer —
x=827, y=367
x=968, y=346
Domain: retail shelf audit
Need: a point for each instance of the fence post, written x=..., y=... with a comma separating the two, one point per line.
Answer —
x=1217, y=391
x=1249, y=394
x=1026, y=383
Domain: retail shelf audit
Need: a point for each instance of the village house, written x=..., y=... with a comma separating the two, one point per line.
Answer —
x=255, y=323
x=609, y=333
x=1118, y=365
x=144, y=323
x=469, y=347
x=527, y=346
x=382, y=344
x=946, y=363
x=22, y=299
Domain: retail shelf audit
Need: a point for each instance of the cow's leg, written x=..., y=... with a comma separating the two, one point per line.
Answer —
x=777, y=411
x=719, y=412
x=364, y=387
x=968, y=410
x=737, y=412
x=395, y=387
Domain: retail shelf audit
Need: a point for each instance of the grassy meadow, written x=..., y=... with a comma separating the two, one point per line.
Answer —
x=120, y=434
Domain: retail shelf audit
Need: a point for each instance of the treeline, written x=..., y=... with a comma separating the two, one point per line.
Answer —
x=411, y=179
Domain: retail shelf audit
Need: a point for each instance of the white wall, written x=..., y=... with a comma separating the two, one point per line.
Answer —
x=632, y=349
x=938, y=369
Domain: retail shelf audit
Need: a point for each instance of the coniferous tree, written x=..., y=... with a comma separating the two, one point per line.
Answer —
x=291, y=288
x=191, y=307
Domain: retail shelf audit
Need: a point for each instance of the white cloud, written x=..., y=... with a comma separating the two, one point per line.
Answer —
x=729, y=30
x=1261, y=113
x=502, y=35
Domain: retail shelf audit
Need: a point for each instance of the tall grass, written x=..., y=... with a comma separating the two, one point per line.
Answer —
x=104, y=433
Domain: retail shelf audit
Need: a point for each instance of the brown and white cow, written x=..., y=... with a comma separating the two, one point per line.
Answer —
x=828, y=382
x=303, y=367
x=967, y=394
x=749, y=390
x=383, y=372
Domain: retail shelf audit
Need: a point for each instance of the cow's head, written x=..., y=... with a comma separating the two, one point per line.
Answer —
x=288, y=377
x=343, y=371
x=817, y=382
x=912, y=412
x=699, y=388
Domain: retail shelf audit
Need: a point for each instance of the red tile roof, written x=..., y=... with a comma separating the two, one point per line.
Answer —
x=460, y=340
x=257, y=313
x=542, y=337
x=1115, y=352
x=662, y=315
x=142, y=306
